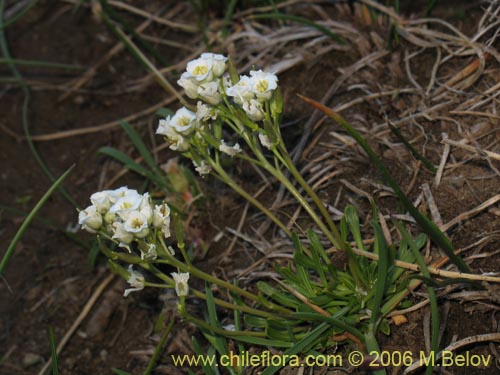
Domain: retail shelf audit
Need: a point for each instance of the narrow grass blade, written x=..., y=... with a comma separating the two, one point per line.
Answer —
x=29, y=218
x=412, y=149
x=219, y=343
x=49, y=224
x=139, y=145
x=425, y=224
x=120, y=372
x=109, y=12
x=228, y=17
x=301, y=346
x=129, y=163
x=304, y=21
x=53, y=352
x=158, y=349
x=383, y=266
x=432, y=294
x=207, y=370
x=18, y=16
x=41, y=64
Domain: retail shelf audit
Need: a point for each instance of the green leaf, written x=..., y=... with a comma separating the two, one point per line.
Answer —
x=317, y=251
x=164, y=112
x=383, y=265
x=29, y=218
x=219, y=342
x=120, y=372
x=301, y=346
x=302, y=20
x=207, y=370
x=129, y=163
x=139, y=145
x=278, y=296
x=53, y=352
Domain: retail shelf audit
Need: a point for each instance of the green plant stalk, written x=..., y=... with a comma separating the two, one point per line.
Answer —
x=53, y=352
x=280, y=176
x=304, y=21
x=432, y=294
x=290, y=165
x=137, y=53
x=380, y=286
x=233, y=334
x=134, y=259
x=205, y=276
x=425, y=224
x=224, y=177
x=29, y=218
x=159, y=347
x=372, y=346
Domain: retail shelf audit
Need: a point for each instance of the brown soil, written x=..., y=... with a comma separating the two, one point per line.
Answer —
x=49, y=280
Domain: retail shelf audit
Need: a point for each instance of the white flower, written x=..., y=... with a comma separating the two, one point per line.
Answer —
x=202, y=168
x=121, y=192
x=263, y=84
x=136, y=281
x=128, y=203
x=209, y=93
x=190, y=85
x=241, y=91
x=90, y=219
x=161, y=218
x=229, y=327
x=176, y=140
x=181, y=283
x=253, y=109
x=183, y=121
x=200, y=69
x=137, y=224
x=218, y=62
x=101, y=200
x=124, y=238
x=150, y=253
x=204, y=112
x=265, y=141
x=231, y=151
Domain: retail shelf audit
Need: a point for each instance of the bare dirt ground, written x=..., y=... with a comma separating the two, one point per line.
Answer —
x=437, y=84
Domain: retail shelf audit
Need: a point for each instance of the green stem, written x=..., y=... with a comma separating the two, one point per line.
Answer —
x=134, y=259
x=223, y=176
x=205, y=276
x=289, y=164
x=280, y=176
x=158, y=349
x=372, y=346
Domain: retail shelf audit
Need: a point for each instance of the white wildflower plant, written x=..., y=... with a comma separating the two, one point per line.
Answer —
x=227, y=104
x=237, y=117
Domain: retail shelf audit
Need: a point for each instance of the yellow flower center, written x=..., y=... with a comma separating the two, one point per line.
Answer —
x=126, y=205
x=262, y=86
x=200, y=70
x=184, y=121
x=136, y=223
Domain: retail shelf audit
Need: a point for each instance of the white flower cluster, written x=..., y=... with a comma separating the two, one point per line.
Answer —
x=206, y=79
x=126, y=216
x=252, y=91
x=202, y=78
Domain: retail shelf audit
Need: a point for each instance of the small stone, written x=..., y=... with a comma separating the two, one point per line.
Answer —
x=31, y=359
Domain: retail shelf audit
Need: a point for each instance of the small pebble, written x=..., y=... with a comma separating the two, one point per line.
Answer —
x=31, y=359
